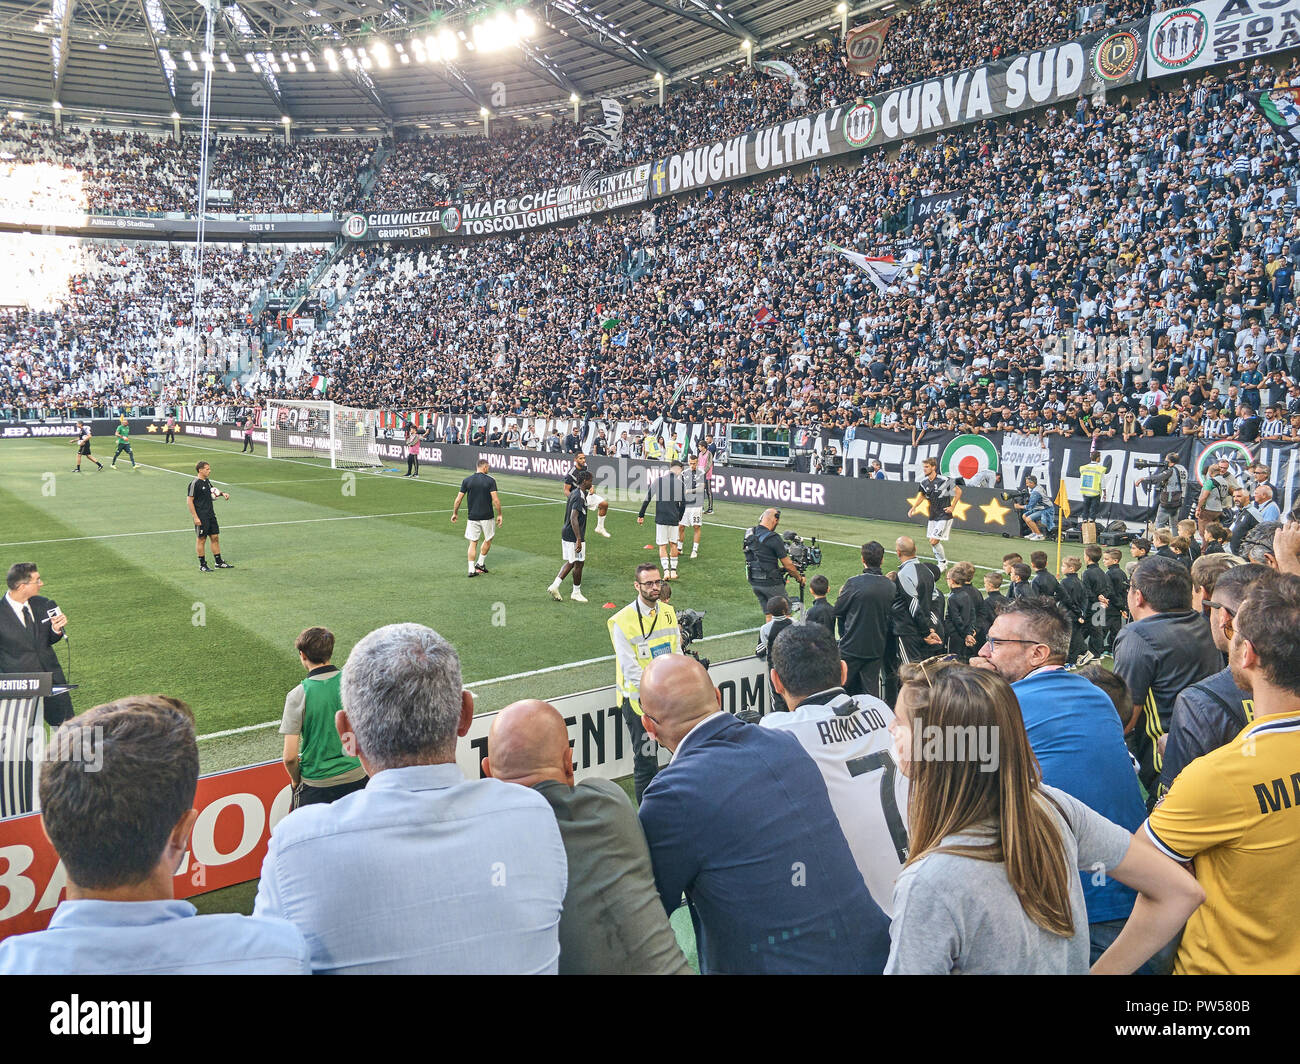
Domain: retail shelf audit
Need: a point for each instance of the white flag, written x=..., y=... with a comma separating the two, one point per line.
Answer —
x=613, y=114
x=882, y=272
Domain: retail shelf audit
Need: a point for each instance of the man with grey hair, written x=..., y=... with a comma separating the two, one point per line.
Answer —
x=422, y=872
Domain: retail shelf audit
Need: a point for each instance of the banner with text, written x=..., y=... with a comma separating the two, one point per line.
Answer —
x=1200, y=35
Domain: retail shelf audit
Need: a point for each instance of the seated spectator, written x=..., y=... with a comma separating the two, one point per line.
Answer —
x=1230, y=812
x=117, y=802
x=987, y=887
x=613, y=922
x=318, y=766
x=435, y=901
x=1075, y=738
x=848, y=737
x=1206, y=571
x=740, y=822
x=1165, y=648
x=1210, y=714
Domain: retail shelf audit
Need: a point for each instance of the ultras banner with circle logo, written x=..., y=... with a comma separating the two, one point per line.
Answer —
x=1023, y=82
x=1196, y=36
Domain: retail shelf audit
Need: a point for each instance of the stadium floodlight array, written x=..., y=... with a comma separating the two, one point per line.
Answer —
x=322, y=430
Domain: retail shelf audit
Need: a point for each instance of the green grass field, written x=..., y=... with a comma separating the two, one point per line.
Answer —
x=313, y=547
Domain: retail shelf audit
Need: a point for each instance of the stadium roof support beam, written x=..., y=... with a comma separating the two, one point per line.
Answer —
x=167, y=79
x=633, y=53
x=370, y=90
x=455, y=77
x=237, y=34
x=59, y=53
x=685, y=10
x=733, y=24
x=548, y=67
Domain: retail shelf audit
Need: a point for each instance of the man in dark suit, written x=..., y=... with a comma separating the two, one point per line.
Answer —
x=862, y=609
x=741, y=822
x=30, y=625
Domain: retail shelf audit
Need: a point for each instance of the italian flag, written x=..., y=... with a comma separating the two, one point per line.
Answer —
x=967, y=456
x=320, y=384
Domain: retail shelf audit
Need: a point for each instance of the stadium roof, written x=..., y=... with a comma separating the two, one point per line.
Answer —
x=356, y=64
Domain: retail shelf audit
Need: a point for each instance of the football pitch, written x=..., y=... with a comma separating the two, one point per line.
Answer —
x=315, y=546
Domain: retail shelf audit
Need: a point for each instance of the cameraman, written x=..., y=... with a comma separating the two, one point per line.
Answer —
x=1171, y=485
x=765, y=557
x=1036, y=510
x=641, y=632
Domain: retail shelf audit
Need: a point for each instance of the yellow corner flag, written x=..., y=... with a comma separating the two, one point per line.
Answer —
x=1062, y=503
x=1062, y=512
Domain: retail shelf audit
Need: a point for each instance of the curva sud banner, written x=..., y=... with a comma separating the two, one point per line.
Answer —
x=239, y=809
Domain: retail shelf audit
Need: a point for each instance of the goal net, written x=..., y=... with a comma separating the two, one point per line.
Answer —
x=341, y=437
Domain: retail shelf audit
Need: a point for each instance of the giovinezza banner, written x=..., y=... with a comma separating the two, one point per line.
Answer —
x=531, y=210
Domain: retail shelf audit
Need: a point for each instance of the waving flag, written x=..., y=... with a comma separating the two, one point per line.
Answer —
x=777, y=68
x=1282, y=109
x=882, y=271
x=620, y=340
x=765, y=316
x=864, y=46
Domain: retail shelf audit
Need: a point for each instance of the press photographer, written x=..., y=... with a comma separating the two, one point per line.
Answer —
x=1034, y=507
x=765, y=558
x=1170, y=486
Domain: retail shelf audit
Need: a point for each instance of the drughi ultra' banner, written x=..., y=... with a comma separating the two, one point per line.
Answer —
x=1032, y=79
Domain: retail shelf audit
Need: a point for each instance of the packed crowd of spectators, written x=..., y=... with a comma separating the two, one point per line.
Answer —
x=122, y=332
x=1014, y=830
x=929, y=41
x=1126, y=268
x=104, y=170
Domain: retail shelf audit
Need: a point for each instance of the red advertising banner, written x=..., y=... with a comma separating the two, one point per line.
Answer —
x=237, y=810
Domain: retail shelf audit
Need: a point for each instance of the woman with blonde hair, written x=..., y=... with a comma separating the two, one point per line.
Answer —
x=990, y=884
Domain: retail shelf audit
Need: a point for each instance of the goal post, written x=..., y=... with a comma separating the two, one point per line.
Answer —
x=321, y=430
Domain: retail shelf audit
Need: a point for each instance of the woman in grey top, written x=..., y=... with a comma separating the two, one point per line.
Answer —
x=989, y=886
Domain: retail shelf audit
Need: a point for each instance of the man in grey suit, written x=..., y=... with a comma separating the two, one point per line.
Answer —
x=613, y=922
x=30, y=625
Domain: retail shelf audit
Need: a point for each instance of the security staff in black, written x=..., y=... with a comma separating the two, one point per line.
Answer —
x=862, y=610
x=765, y=558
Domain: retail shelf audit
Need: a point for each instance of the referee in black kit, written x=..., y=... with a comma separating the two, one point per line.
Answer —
x=481, y=490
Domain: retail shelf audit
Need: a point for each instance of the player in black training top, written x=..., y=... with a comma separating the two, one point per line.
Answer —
x=481, y=490
x=593, y=500
x=83, y=447
x=573, y=539
x=941, y=494
x=200, y=496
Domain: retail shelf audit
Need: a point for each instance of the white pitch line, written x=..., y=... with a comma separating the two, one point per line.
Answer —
x=483, y=683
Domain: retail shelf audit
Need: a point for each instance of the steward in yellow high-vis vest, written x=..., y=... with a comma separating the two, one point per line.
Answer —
x=641, y=632
x=1092, y=481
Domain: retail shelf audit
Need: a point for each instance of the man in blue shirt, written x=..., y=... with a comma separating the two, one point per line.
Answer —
x=1076, y=737
x=117, y=802
x=740, y=822
x=423, y=872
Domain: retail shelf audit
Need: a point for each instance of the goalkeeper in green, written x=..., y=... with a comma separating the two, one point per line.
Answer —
x=123, y=434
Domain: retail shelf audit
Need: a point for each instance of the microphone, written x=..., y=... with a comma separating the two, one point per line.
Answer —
x=51, y=614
